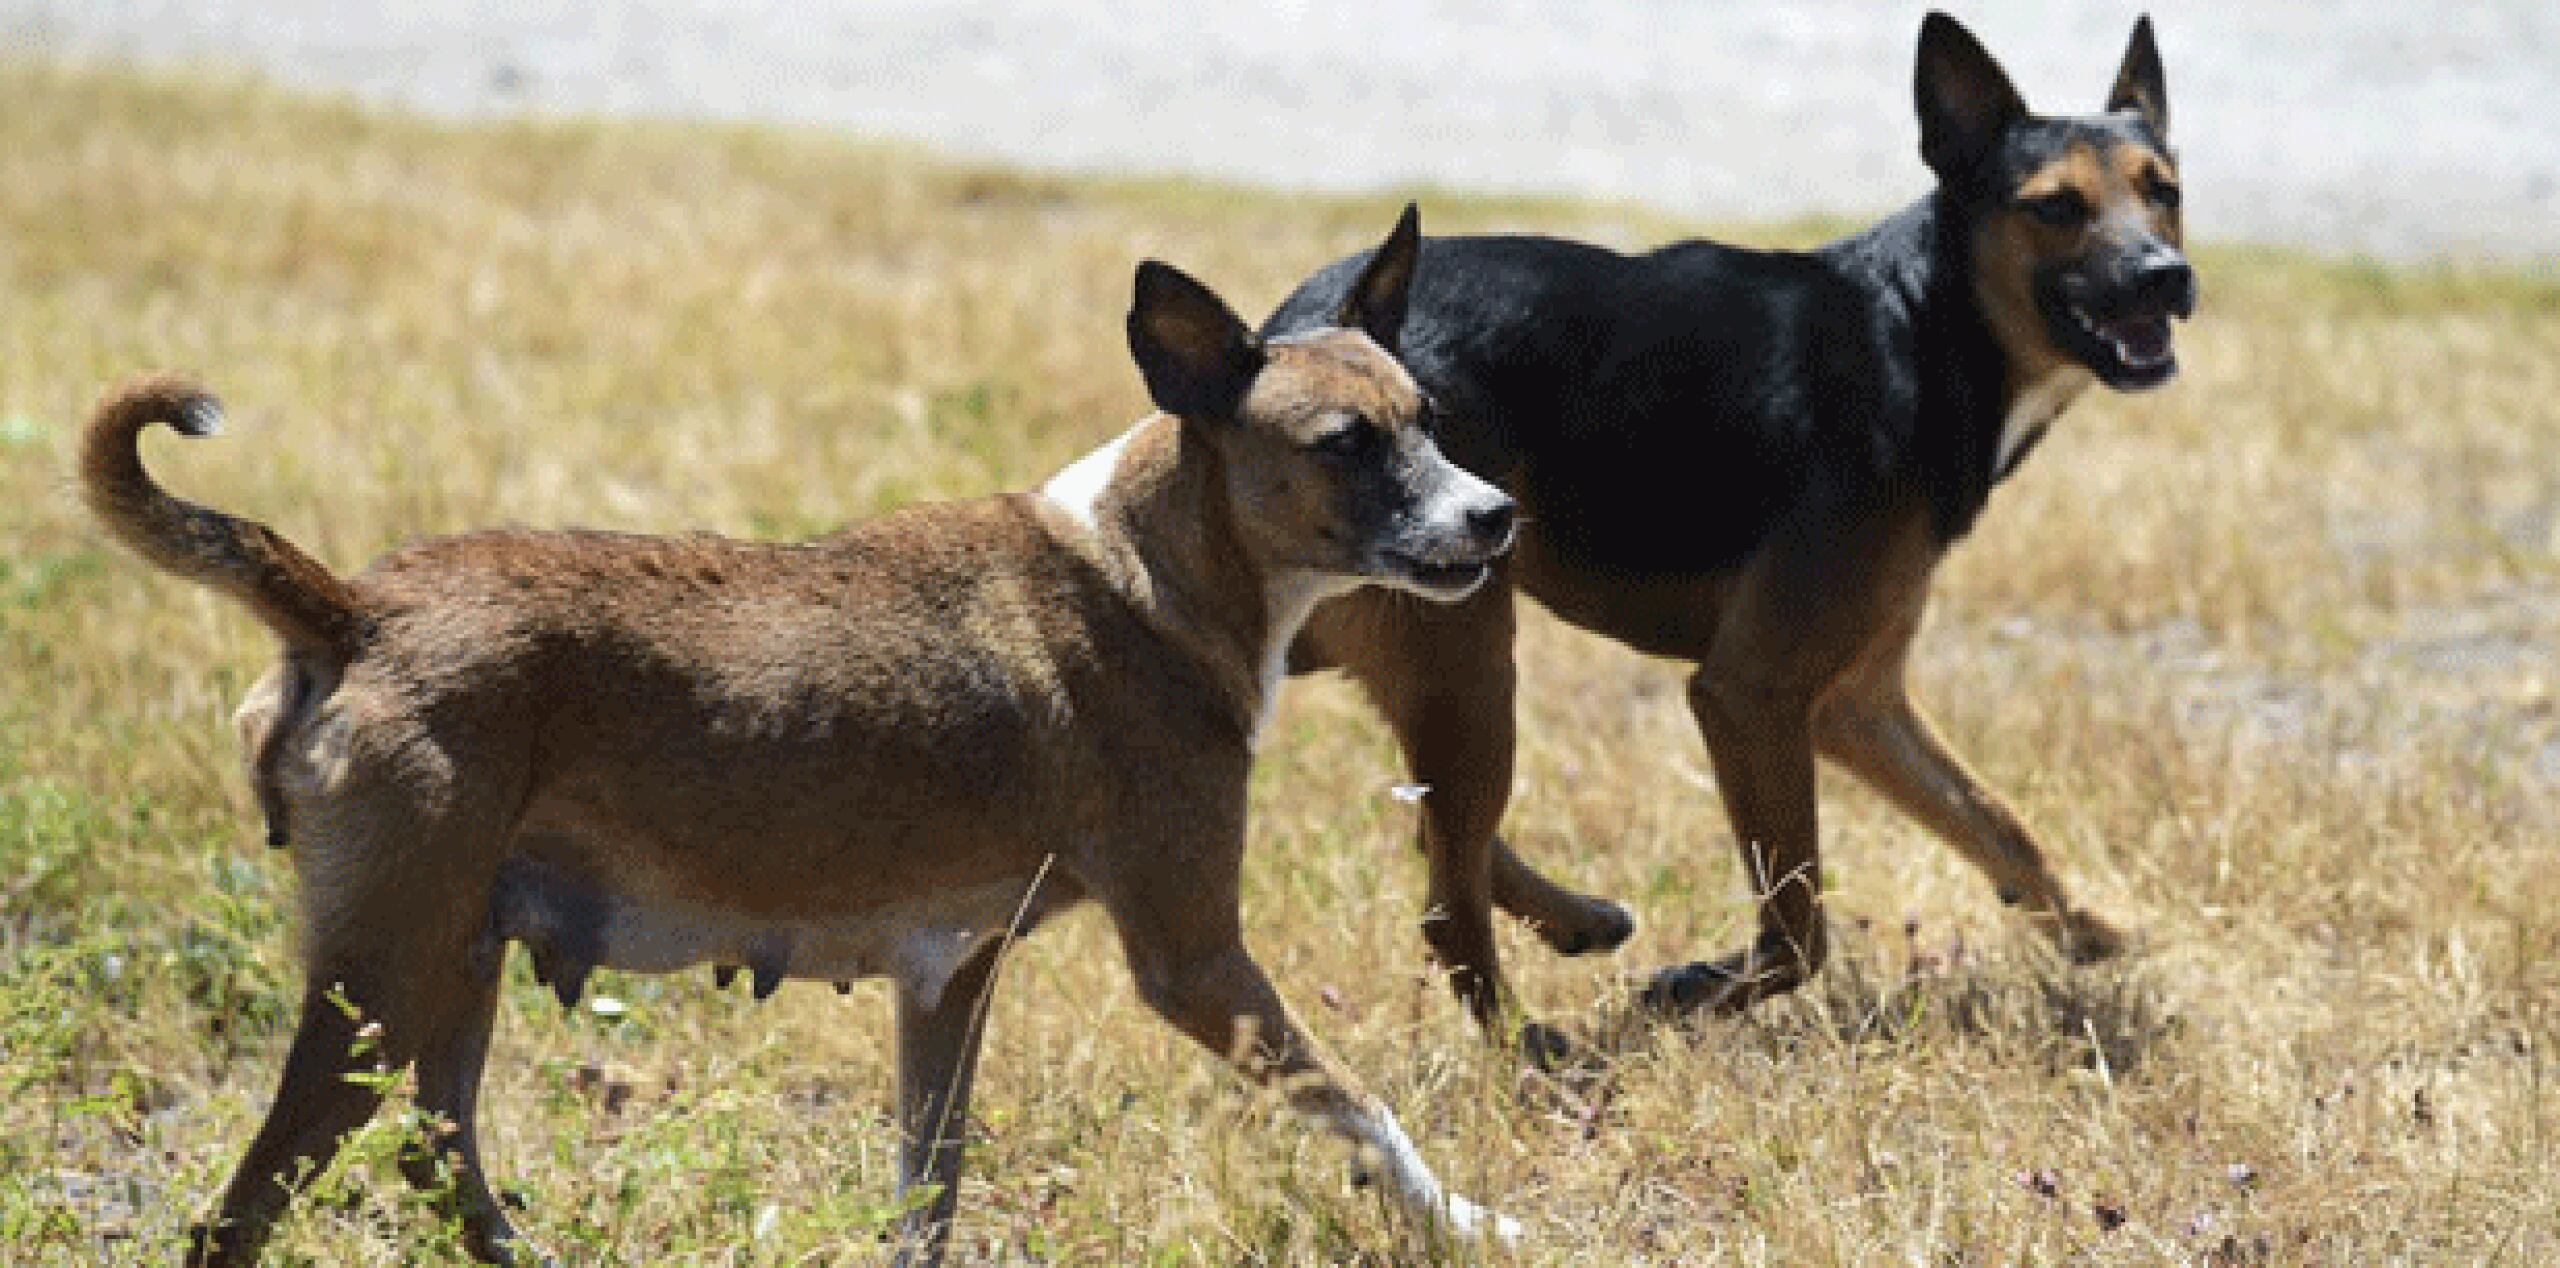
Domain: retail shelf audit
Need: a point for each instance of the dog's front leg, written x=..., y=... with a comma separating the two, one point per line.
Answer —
x=1875, y=731
x=1204, y=982
x=937, y=1060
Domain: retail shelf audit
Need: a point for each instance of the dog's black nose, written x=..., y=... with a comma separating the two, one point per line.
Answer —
x=2163, y=279
x=1492, y=522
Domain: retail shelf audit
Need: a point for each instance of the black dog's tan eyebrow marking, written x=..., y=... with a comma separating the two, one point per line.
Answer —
x=2101, y=178
x=2141, y=166
x=2077, y=169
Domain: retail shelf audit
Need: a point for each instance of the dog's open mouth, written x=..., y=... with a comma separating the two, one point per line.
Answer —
x=2127, y=350
x=1447, y=582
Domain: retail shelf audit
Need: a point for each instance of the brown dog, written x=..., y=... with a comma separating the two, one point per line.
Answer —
x=879, y=753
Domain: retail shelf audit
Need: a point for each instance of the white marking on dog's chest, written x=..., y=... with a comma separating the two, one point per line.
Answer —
x=1077, y=488
x=1287, y=602
x=2033, y=411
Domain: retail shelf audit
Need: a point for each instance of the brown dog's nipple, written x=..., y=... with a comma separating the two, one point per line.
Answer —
x=771, y=956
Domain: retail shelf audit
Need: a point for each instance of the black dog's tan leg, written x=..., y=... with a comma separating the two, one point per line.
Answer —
x=1443, y=680
x=449, y=1068
x=937, y=1063
x=1454, y=722
x=1572, y=922
x=1871, y=727
x=1761, y=743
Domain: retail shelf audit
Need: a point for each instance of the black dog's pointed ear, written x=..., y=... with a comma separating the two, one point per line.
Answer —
x=2141, y=86
x=1965, y=99
x=1376, y=302
x=1197, y=356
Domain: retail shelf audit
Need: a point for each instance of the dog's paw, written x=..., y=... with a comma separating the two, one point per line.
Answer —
x=204, y=1246
x=1543, y=1047
x=1470, y=1222
x=1601, y=925
x=1681, y=989
x=2088, y=938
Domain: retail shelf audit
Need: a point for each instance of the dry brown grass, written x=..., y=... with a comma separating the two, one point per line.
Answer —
x=2268, y=657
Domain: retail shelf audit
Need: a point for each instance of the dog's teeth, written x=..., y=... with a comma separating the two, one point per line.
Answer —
x=724, y=976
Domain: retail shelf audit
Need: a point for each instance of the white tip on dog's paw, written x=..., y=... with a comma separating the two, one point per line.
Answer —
x=1474, y=1223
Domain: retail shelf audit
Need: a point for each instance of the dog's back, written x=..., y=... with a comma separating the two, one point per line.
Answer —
x=1570, y=373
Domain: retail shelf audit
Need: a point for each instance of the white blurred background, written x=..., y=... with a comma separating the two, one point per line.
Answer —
x=2347, y=126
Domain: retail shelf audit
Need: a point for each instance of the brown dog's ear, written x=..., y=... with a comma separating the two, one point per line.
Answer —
x=1965, y=99
x=1195, y=353
x=2141, y=86
x=1376, y=302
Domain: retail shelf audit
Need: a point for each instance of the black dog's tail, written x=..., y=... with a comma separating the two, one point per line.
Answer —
x=309, y=607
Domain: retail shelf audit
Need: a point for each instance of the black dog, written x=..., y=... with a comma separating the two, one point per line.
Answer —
x=1753, y=461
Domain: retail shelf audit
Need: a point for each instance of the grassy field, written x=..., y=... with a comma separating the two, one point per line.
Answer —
x=2267, y=656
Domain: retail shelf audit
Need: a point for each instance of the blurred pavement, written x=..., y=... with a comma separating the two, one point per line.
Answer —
x=2371, y=126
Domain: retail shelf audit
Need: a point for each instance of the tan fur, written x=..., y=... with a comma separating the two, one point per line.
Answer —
x=321, y=619
x=1779, y=683
x=878, y=753
x=2009, y=246
x=292, y=593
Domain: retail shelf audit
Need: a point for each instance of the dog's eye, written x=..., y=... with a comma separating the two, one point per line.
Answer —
x=1356, y=439
x=2062, y=210
x=2166, y=194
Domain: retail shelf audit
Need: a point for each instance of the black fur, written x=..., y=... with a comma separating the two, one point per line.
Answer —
x=1658, y=414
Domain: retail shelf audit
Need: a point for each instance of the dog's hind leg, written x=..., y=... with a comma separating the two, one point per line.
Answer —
x=316, y=1105
x=1871, y=727
x=449, y=1067
x=395, y=873
x=1760, y=740
x=359, y=1016
x=937, y=1061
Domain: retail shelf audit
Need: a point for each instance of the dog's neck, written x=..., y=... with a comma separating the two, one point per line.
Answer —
x=1980, y=414
x=1150, y=509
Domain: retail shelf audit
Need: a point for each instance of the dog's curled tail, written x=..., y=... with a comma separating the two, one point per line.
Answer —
x=296, y=596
